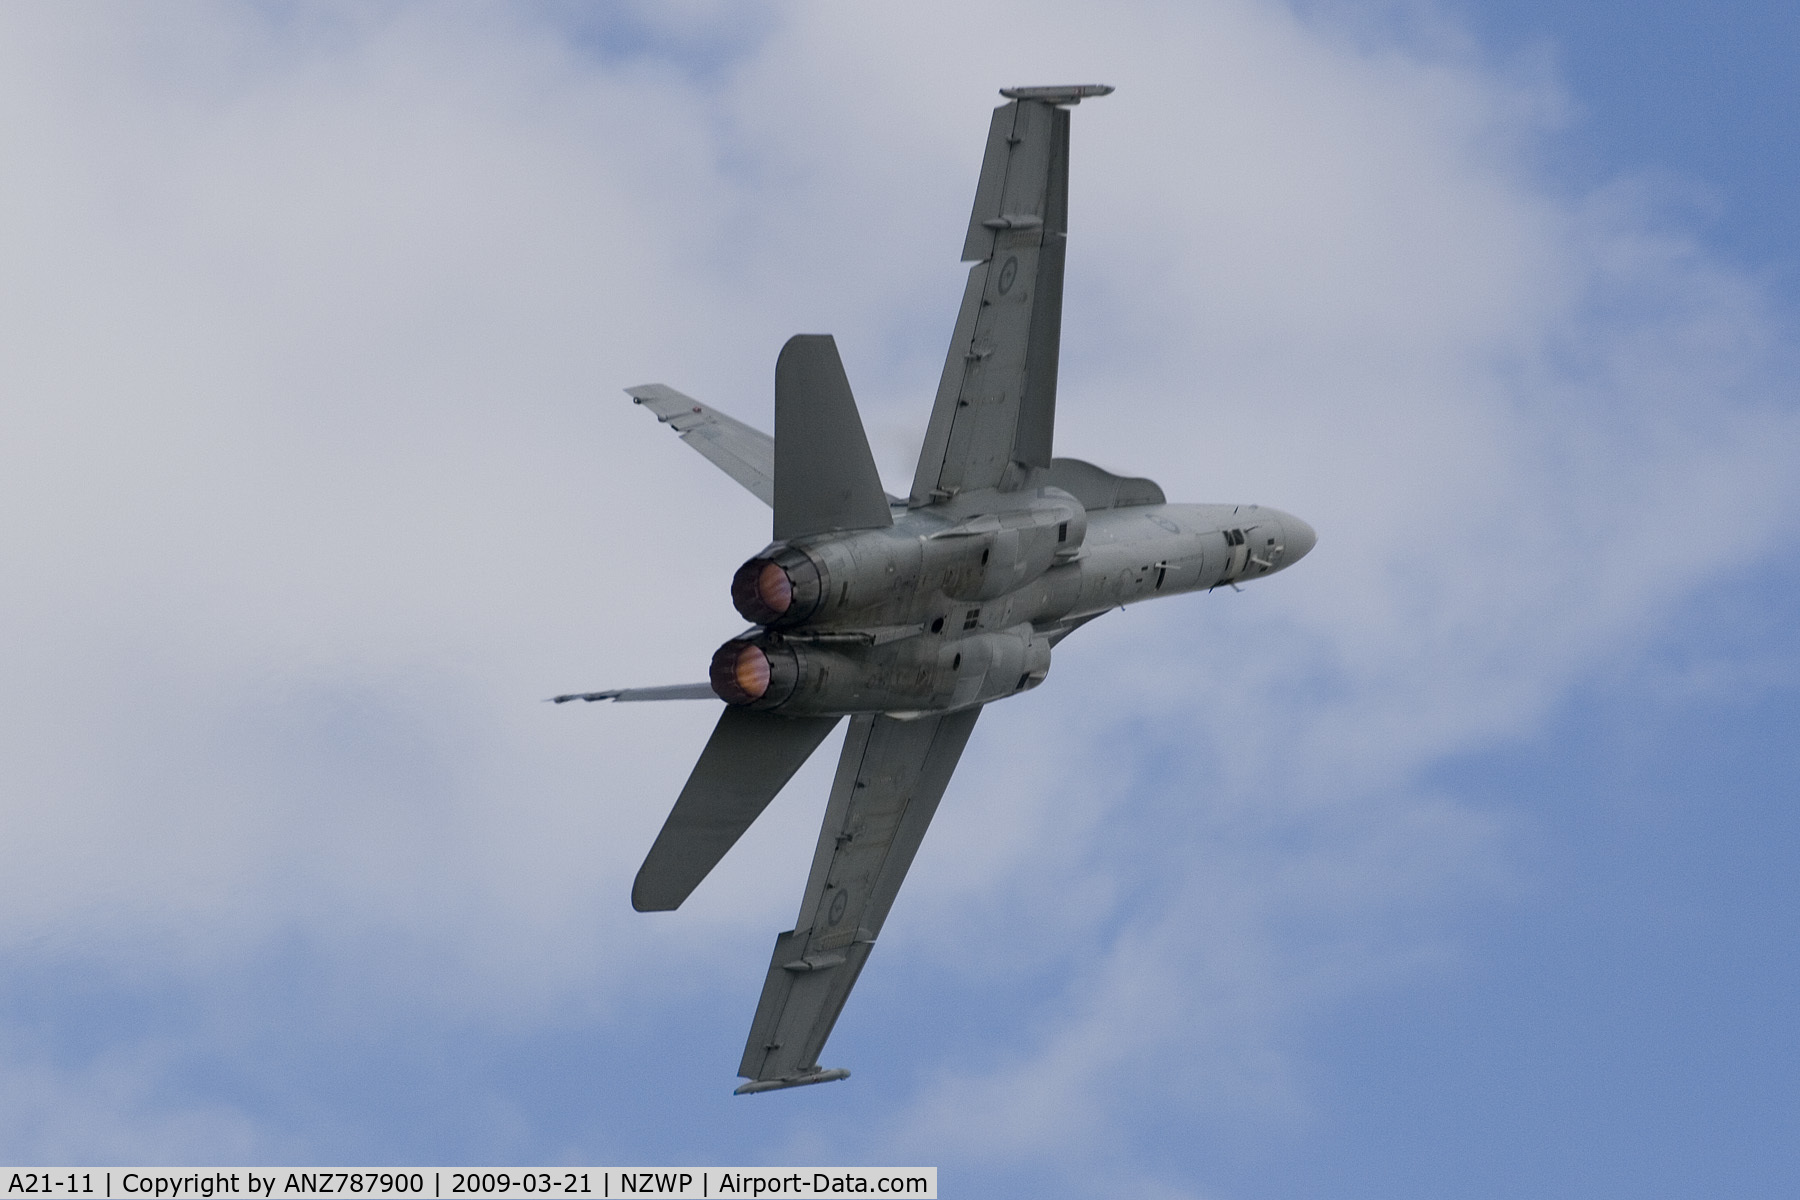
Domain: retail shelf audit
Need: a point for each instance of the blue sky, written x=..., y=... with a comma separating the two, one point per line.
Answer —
x=1455, y=862
x=1694, y=89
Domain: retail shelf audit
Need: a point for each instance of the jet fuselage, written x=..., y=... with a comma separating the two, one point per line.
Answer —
x=959, y=605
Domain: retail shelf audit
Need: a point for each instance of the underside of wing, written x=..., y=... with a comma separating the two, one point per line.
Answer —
x=995, y=412
x=889, y=780
x=745, y=454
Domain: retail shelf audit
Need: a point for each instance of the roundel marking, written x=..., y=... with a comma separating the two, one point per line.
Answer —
x=1009, y=271
x=839, y=903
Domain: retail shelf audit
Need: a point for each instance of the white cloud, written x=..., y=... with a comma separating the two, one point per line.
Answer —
x=320, y=479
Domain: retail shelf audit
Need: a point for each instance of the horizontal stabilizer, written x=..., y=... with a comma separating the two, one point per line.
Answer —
x=825, y=478
x=750, y=757
x=745, y=454
x=673, y=691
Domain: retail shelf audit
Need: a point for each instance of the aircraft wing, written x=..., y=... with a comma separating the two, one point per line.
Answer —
x=996, y=401
x=889, y=780
x=745, y=454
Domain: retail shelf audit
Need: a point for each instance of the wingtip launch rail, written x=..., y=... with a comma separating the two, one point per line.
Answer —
x=1073, y=93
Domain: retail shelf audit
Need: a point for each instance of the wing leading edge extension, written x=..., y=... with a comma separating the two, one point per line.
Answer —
x=890, y=777
x=995, y=411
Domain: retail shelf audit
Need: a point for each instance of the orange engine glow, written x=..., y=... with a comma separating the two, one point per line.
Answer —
x=763, y=591
x=740, y=673
x=775, y=589
x=752, y=671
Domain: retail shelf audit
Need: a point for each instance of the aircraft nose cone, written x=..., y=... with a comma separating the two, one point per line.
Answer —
x=1300, y=539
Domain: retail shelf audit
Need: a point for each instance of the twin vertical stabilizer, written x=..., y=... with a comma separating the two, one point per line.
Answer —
x=825, y=478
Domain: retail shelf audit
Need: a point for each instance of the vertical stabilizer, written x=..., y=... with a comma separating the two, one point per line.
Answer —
x=825, y=478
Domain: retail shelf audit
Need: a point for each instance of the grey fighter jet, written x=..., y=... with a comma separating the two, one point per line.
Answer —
x=908, y=615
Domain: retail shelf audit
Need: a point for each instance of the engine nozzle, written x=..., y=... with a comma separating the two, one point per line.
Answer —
x=744, y=672
x=762, y=591
x=779, y=588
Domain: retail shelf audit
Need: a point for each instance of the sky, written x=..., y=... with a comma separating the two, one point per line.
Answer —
x=1457, y=861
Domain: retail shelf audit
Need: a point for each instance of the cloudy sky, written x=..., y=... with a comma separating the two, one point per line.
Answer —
x=1458, y=861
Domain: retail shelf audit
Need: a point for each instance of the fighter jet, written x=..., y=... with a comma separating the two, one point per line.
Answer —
x=909, y=615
